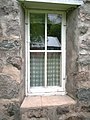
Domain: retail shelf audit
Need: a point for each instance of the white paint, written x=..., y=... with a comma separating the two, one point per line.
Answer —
x=26, y=60
x=71, y=2
x=45, y=50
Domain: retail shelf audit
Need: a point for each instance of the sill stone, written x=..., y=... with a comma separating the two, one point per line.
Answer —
x=46, y=101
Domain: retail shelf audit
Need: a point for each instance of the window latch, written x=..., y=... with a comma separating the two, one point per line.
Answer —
x=65, y=78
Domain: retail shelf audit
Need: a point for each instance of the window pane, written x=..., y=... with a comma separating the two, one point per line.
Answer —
x=53, y=69
x=54, y=31
x=37, y=31
x=36, y=69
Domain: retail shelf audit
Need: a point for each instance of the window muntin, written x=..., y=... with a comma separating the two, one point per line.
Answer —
x=48, y=87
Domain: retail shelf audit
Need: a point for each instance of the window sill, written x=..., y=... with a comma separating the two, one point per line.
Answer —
x=46, y=101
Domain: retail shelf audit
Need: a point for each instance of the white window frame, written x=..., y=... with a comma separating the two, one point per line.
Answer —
x=54, y=90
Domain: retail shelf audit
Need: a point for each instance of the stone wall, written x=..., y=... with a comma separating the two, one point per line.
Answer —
x=11, y=59
x=78, y=56
x=78, y=52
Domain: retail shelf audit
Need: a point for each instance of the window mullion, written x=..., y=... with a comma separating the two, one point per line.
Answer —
x=45, y=50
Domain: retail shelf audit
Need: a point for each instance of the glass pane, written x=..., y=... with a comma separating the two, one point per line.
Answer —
x=36, y=69
x=37, y=31
x=53, y=69
x=54, y=32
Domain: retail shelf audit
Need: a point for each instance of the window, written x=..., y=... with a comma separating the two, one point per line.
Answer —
x=45, y=49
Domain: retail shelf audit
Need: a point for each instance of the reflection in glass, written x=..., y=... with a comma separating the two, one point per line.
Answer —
x=54, y=32
x=37, y=31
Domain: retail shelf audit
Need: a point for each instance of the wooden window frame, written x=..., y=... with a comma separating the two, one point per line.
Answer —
x=54, y=90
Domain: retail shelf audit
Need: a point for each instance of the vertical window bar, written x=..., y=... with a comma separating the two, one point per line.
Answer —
x=28, y=47
x=45, y=50
x=26, y=50
x=63, y=50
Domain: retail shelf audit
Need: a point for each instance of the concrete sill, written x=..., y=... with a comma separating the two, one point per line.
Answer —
x=46, y=101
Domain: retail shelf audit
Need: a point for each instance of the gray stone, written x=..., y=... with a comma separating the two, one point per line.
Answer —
x=9, y=45
x=37, y=113
x=85, y=108
x=1, y=65
x=13, y=109
x=62, y=110
x=72, y=116
x=75, y=118
x=9, y=110
x=84, y=59
x=88, y=41
x=83, y=94
x=8, y=88
x=7, y=7
x=16, y=61
x=83, y=29
x=39, y=119
x=13, y=28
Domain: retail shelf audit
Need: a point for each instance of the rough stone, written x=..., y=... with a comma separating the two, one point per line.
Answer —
x=8, y=88
x=37, y=113
x=88, y=41
x=84, y=59
x=85, y=108
x=82, y=76
x=75, y=118
x=13, y=109
x=83, y=94
x=16, y=61
x=83, y=29
x=8, y=7
x=1, y=65
x=39, y=118
x=10, y=61
x=13, y=72
x=9, y=45
x=9, y=110
x=62, y=110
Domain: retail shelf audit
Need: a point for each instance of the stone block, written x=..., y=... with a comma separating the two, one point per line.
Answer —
x=16, y=61
x=83, y=30
x=9, y=45
x=9, y=110
x=75, y=118
x=37, y=113
x=85, y=108
x=71, y=116
x=62, y=110
x=83, y=94
x=1, y=65
x=9, y=88
x=13, y=72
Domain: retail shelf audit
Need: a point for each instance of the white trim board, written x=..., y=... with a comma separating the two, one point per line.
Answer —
x=70, y=2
